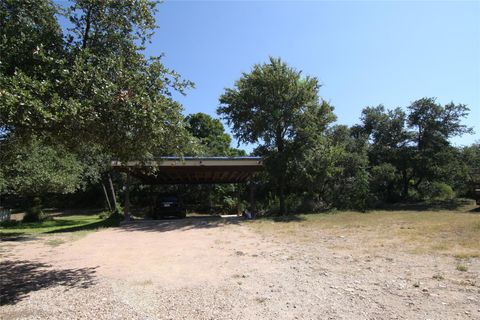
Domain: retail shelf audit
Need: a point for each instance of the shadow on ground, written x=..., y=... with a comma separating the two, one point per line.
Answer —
x=454, y=204
x=16, y=237
x=198, y=222
x=195, y=222
x=112, y=221
x=19, y=278
x=475, y=210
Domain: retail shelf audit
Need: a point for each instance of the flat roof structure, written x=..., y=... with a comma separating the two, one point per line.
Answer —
x=192, y=170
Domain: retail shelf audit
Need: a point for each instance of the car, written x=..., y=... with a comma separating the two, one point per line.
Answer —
x=169, y=206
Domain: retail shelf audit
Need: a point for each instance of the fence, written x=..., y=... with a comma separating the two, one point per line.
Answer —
x=5, y=214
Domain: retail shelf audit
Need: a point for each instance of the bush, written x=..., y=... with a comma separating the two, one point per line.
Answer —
x=9, y=223
x=229, y=205
x=438, y=191
x=34, y=213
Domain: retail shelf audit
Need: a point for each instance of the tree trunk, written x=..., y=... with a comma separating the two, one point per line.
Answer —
x=106, y=197
x=114, y=197
x=86, y=34
x=281, y=185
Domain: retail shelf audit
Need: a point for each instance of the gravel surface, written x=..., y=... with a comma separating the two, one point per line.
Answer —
x=224, y=269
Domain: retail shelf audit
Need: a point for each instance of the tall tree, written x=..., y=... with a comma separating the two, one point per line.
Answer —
x=89, y=87
x=30, y=37
x=408, y=148
x=101, y=91
x=211, y=135
x=269, y=106
x=31, y=52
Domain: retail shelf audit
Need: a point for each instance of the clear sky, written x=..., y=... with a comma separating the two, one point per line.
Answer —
x=364, y=53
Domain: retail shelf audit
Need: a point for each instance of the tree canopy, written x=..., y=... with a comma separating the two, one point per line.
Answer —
x=275, y=106
x=86, y=87
x=213, y=139
x=74, y=98
x=97, y=88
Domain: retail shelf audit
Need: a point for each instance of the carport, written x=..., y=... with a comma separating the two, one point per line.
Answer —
x=191, y=170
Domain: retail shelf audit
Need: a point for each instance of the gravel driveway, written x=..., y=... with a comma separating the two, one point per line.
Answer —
x=225, y=269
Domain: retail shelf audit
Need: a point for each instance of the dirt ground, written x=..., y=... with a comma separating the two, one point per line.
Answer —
x=228, y=269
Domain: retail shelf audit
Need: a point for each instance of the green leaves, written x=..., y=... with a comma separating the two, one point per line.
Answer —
x=275, y=106
x=266, y=103
x=415, y=143
x=211, y=135
x=97, y=88
x=86, y=88
x=36, y=168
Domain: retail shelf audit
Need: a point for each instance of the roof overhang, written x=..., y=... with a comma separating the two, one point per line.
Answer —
x=193, y=170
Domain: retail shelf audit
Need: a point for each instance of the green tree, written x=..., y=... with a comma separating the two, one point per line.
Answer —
x=412, y=149
x=100, y=90
x=31, y=49
x=30, y=36
x=35, y=169
x=88, y=89
x=331, y=170
x=390, y=143
x=211, y=135
x=270, y=106
x=432, y=127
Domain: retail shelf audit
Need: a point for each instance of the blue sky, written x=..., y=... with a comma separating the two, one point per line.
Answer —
x=364, y=53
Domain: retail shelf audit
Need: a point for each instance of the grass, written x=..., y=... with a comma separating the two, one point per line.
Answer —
x=462, y=268
x=455, y=233
x=59, y=224
x=55, y=242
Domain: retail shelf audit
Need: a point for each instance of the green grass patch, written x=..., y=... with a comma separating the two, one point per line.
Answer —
x=60, y=224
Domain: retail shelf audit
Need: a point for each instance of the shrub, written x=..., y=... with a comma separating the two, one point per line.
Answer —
x=438, y=191
x=9, y=223
x=229, y=205
x=462, y=268
x=34, y=213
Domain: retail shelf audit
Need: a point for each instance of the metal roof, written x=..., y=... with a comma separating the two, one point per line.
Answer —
x=193, y=170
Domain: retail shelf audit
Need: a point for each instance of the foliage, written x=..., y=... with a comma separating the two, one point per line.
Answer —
x=96, y=82
x=276, y=106
x=213, y=139
x=34, y=213
x=437, y=191
x=72, y=100
x=408, y=149
x=83, y=95
x=33, y=168
x=30, y=37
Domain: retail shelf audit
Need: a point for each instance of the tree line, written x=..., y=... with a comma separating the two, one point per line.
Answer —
x=74, y=98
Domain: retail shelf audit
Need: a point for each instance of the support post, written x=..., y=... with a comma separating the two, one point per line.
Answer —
x=127, y=198
x=253, y=206
x=106, y=197
x=114, y=197
x=237, y=194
